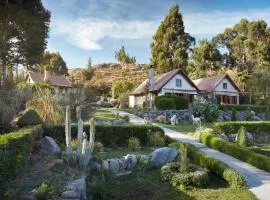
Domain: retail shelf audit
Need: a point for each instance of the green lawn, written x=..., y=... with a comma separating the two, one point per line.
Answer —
x=186, y=127
x=104, y=115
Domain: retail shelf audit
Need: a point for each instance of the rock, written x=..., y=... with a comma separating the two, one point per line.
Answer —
x=143, y=158
x=232, y=137
x=105, y=164
x=49, y=146
x=130, y=161
x=222, y=136
x=94, y=165
x=77, y=186
x=119, y=122
x=163, y=155
x=256, y=118
x=114, y=165
x=250, y=137
x=70, y=194
x=240, y=116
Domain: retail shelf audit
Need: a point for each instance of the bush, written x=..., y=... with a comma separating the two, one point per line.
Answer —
x=248, y=114
x=233, y=118
x=156, y=139
x=30, y=117
x=98, y=147
x=133, y=143
x=244, y=154
x=15, y=149
x=171, y=102
x=213, y=165
x=162, y=119
x=243, y=107
x=255, y=127
x=42, y=192
x=108, y=135
x=241, y=137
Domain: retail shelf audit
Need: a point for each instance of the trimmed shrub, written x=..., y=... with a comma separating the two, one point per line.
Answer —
x=108, y=135
x=156, y=139
x=243, y=107
x=213, y=165
x=180, y=102
x=171, y=102
x=29, y=117
x=244, y=154
x=232, y=127
x=98, y=147
x=15, y=149
x=233, y=118
x=133, y=143
x=241, y=137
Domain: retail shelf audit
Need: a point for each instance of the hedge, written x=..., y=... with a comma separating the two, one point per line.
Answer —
x=108, y=135
x=15, y=149
x=241, y=153
x=243, y=107
x=233, y=127
x=234, y=178
x=171, y=102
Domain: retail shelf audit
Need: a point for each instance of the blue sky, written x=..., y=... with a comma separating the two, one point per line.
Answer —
x=97, y=28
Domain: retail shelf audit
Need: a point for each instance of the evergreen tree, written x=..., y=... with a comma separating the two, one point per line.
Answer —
x=89, y=64
x=123, y=57
x=171, y=43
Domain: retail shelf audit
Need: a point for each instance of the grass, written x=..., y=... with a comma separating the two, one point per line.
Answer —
x=149, y=186
x=186, y=127
x=263, y=149
x=104, y=115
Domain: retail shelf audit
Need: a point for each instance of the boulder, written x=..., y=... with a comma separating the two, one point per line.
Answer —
x=232, y=137
x=49, y=146
x=130, y=161
x=119, y=122
x=250, y=138
x=256, y=118
x=163, y=155
x=77, y=188
x=114, y=165
x=223, y=137
x=70, y=195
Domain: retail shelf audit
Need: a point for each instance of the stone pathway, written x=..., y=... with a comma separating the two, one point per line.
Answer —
x=258, y=181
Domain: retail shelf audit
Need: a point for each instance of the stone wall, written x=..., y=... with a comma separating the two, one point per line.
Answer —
x=181, y=114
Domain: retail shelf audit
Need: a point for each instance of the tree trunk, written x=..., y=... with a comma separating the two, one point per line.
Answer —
x=4, y=72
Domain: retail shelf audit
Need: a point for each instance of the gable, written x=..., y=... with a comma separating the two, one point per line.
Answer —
x=185, y=84
x=230, y=86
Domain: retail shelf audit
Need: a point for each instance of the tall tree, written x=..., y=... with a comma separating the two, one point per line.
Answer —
x=89, y=64
x=171, y=43
x=123, y=57
x=24, y=28
x=54, y=63
x=205, y=60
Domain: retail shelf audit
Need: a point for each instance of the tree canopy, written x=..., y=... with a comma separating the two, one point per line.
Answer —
x=123, y=57
x=24, y=28
x=171, y=43
x=54, y=63
x=119, y=87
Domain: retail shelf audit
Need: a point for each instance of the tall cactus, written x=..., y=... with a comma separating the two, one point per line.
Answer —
x=80, y=129
x=92, y=136
x=68, y=130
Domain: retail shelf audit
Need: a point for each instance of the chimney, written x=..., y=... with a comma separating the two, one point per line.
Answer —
x=151, y=77
x=46, y=76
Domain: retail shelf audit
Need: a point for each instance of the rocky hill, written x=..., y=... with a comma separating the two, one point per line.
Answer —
x=102, y=76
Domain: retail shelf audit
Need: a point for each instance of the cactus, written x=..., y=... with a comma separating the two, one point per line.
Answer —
x=92, y=136
x=68, y=130
x=80, y=130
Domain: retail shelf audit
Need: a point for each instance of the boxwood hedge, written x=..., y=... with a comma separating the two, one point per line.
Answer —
x=15, y=148
x=244, y=154
x=234, y=178
x=108, y=135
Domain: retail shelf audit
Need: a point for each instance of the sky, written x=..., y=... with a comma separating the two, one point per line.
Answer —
x=80, y=29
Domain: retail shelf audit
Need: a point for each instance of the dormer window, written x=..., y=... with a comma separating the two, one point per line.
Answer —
x=178, y=83
x=225, y=86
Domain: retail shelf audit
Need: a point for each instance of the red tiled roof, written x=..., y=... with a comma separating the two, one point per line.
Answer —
x=54, y=80
x=160, y=81
x=210, y=83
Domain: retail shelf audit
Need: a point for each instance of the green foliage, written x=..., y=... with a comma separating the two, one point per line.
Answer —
x=156, y=139
x=42, y=192
x=236, y=151
x=109, y=135
x=267, y=113
x=171, y=102
x=255, y=127
x=248, y=114
x=171, y=43
x=134, y=143
x=233, y=118
x=48, y=191
x=213, y=165
x=241, y=137
x=184, y=167
x=124, y=57
x=202, y=107
x=243, y=107
x=29, y=117
x=15, y=149
x=98, y=147
x=119, y=87
x=54, y=63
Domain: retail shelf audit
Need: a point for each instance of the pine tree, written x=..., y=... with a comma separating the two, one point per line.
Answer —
x=171, y=43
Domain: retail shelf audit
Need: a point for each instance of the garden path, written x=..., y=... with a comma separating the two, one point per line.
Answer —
x=258, y=181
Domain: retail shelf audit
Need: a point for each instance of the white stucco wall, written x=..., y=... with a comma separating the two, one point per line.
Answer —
x=171, y=86
x=230, y=91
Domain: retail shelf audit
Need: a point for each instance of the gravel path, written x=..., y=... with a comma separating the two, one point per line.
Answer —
x=258, y=181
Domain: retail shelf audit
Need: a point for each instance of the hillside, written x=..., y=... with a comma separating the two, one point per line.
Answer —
x=103, y=75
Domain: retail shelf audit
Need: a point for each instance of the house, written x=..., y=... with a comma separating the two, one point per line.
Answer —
x=220, y=88
x=61, y=84
x=175, y=82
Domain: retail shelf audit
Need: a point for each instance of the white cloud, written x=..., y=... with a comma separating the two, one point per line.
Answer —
x=87, y=33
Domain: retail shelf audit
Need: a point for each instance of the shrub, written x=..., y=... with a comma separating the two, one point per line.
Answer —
x=98, y=147
x=236, y=151
x=243, y=107
x=213, y=165
x=248, y=114
x=42, y=192
x=171, y=102
x=233, y=118
x=180, y=102
x=241, y=137
x=29, y=117
x=156, y=139
x=15, y=149
x=108, y=135
x=133, y=143
x=161, y=119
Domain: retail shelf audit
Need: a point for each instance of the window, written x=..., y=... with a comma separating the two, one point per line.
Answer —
x=178, y=83
x=225, y=85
